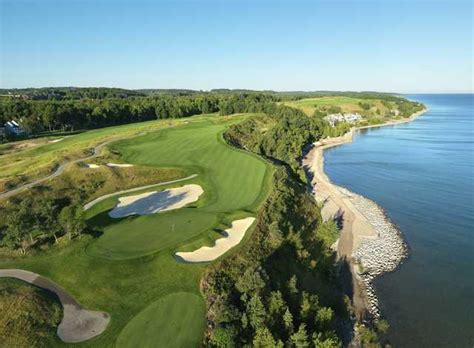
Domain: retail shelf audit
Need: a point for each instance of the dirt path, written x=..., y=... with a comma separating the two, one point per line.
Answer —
x=104, y=197
x=78, y=324
x=96, y=152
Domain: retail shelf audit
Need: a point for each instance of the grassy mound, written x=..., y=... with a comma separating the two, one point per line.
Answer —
x=163, y=323
x=29, y=315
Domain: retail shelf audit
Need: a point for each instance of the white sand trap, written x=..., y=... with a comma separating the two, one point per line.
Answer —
x=154, y=202
x=56, y=140
x=232, y=237
x=78, y=324
x=91, y=165
x=123, y=165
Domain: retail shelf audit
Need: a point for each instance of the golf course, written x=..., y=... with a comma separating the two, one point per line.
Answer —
x=127, y=267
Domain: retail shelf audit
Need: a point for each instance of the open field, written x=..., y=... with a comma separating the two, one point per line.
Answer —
x=347, y=104
x=128, y=268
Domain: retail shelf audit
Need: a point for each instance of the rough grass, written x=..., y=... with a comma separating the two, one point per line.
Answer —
x=161, y=324
x=36, y=161
x=94, y=183
x=29, y=315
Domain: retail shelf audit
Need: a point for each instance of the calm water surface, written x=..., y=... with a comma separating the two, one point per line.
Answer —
x=422, y=174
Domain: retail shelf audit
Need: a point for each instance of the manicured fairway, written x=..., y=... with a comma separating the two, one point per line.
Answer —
x=128, y=267
x=176, y=320
x=232, y=181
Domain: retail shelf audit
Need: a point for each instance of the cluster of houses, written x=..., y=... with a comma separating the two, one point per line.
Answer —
x=12, y=128
x=336, y=118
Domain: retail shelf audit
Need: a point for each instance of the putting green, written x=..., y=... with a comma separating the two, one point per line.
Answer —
x=155, y=301
x=142, y=235
x=233, y=181
x=176, y=320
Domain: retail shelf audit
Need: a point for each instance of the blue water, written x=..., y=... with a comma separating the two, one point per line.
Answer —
x=422, y=174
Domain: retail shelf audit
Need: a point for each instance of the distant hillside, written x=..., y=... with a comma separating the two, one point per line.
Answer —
x=75, y=93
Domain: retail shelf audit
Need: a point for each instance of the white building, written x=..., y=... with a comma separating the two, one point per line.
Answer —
x=13, y=127
x=333, y=119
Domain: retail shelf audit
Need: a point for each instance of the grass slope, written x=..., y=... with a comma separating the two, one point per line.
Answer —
x=161, y=324
x=347, y=104
x=118, y=282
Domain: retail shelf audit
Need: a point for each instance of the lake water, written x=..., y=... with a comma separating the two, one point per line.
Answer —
x=422, y=174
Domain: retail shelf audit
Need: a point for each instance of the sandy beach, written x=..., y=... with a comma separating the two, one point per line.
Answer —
x=369, y=241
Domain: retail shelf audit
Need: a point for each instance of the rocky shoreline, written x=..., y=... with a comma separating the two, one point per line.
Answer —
x=368, y=241
x=378, y=255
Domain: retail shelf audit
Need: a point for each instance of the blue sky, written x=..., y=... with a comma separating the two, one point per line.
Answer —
x=400, y=46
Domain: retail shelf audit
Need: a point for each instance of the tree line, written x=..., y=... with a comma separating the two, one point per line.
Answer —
x=287, y=132
x=268, y=295
x=69, y=115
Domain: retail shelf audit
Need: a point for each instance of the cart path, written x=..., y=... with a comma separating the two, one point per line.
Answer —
x=57, y=172
x=101, y=198
x=78, y=324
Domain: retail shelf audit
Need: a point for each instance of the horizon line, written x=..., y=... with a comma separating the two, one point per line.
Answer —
x=250, y=90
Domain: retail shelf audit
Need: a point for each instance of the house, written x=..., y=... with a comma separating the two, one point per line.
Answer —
x=13, y=128
x=336, y=118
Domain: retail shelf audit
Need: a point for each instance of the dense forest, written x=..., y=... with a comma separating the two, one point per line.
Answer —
x=280, y=134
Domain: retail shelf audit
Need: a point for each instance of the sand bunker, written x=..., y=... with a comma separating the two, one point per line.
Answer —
x=154, y=202
x=78, y=324
x=56, y=140
x=90, y=165
x=232, y=237
x=123, y=165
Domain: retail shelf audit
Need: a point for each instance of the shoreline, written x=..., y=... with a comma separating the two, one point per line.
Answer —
x=369, y=242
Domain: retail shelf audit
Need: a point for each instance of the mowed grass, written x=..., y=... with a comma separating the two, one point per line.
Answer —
x=166, y=323
x=121, y=288
x=233, y=181
x=143, y=235
x=130, y=270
